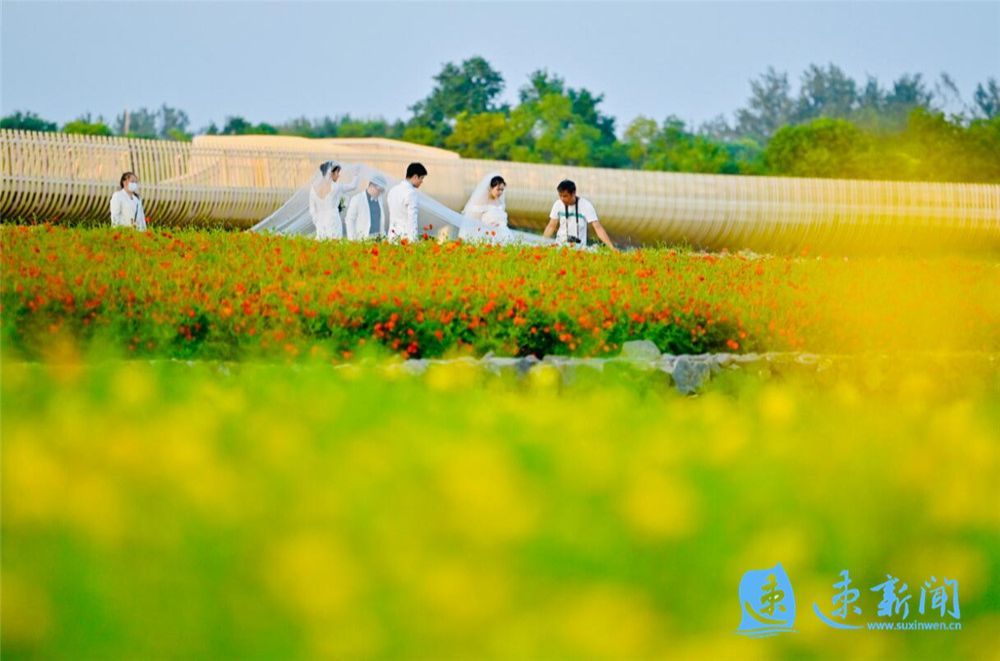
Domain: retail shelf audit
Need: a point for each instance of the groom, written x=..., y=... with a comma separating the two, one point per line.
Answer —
x=404, y=205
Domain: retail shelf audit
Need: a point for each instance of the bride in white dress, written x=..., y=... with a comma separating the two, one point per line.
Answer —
x=324, y=200
x=487, y=208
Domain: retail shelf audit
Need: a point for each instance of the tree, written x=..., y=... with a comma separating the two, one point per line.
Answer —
x=472, y=87
x=362, y=128
x=141, y=123
x=173, y=123
x=541, y=83
x=561, y=136
x=872, y=96
x=826, y=93
x=86, y=125
x=871, y=105
x=582, y=120
x=987, y=99
x=908, y=92
x=769, y=108
x=421, y=135
x=640, y=139
x=939, y=149
x=824, y=147
x=946, y=92
x=672, y=147
x=983, y=142
x=300, y=126
x=236, y=126
x=27, y=121
x=476, y=136
x=717, y=128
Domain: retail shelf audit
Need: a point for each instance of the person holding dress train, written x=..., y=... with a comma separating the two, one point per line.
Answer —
x=366, y=214
x=404, y=205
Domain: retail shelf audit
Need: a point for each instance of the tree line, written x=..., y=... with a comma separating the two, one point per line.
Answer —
x=830, y=125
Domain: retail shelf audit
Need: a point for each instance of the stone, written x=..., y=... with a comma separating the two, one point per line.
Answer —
x=689, y=375
x=414, y=366
x=640, y=350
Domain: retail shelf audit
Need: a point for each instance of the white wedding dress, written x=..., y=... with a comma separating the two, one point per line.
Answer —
x=325, y=209
x=325, y=213
x=488, y=215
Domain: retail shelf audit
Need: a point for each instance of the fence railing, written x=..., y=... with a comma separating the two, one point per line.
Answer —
x=237, y=180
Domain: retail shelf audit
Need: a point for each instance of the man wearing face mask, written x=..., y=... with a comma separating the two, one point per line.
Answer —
x=126, y=207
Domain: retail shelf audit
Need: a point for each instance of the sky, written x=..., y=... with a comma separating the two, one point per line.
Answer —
x=272, y=62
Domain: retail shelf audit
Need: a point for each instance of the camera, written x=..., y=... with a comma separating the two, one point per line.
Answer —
x=573, y=239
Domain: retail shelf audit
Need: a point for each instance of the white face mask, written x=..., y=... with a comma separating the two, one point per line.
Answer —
x=133, y=186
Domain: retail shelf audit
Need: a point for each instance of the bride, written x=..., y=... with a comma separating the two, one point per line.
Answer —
x=324, y=200
x=487, y=208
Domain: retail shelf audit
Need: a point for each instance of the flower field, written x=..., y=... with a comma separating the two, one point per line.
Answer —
x=235, y=296
x=186, y=475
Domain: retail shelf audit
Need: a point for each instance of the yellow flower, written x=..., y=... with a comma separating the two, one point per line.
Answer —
x=660, y=505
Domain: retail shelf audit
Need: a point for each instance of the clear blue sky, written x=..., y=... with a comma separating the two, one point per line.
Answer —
x=275, y=61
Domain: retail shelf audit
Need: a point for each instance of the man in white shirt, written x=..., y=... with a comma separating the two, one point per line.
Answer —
x=126, y=207
x=570, y=217
x=404, y=206
x=366, y=213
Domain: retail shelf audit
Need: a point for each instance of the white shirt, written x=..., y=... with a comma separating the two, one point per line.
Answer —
x=359, y=217
x=581, y=214
x=127, y=211
x=404, y=208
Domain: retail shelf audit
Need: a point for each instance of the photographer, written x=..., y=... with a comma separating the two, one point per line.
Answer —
x=571, y=215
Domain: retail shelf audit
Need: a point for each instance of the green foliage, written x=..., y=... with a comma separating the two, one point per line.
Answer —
x=987, y=99
x=26, y=121
x=826, y=93
x=240, y=126
x=672, y=148
x=173, y=123
x=421, y=135
x=769, y=108
x=236, y=126
x=142, y=123
x=85, y=126
x=470, y=87
x=343, y=126
x=824, y=147
x=178, y=135
x=931, y=147
x=480, y=136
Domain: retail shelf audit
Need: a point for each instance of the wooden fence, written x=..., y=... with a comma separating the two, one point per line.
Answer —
x=237, y=180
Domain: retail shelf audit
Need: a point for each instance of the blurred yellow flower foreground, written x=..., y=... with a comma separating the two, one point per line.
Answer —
x=208, y=510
